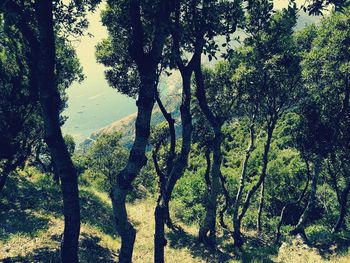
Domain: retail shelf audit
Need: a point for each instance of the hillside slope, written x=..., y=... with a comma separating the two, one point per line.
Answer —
x=31, y=226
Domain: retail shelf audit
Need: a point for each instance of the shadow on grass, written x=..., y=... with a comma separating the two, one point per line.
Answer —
x=181, y=239
x=96, y=212
x=253, y=251
x=21, y=198
x=14, y=222
x=90, y=251
x=38, y=255
x=328, y=243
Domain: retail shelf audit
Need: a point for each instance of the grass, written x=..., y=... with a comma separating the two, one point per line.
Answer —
x=31, y=226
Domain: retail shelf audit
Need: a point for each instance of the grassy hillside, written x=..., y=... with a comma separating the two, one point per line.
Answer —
x=31, y=225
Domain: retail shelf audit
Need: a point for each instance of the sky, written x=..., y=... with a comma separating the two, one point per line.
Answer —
x=92, y=104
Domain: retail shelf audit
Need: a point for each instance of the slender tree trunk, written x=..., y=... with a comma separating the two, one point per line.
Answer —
x=246, y=204
x=261, y=204
x=207, y=231
x=300, y=227
x=343, y=208
x=159, y=237
x=136, y=161
x=227, y=202
x=342, y=196
x=169, y=162
x=236, y=222
x=123, y=226
x=162, y=209
x=50, y=103
x=207, y=170
x=280, y=222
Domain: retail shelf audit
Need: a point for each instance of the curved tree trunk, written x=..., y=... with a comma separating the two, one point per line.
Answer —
x=136, y=161
x=343, y=208
x=236, y=222
x=207, y=169
x=237, y=233
x=300, y=227
x=50, y=103
x=207, y=231
x=147, y=64
x=123, y=226
x=342, y=196
x=227, y=202
x=280, y=222
x=162, y=208
x=43, y=81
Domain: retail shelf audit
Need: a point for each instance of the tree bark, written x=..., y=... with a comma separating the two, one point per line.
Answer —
x=261, y=204
x=236, y=222
x=280, y=222
x=162, y=209
x=123, y=226
x=50, y=103
x=147, y=64
x=342, y=196
x=343, y=208
x=207, y=231
x=136, y=161
x=300, y=227
x=246, y=204
x=227, y=204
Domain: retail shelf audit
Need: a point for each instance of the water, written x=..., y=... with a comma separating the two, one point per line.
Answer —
x=93, y=104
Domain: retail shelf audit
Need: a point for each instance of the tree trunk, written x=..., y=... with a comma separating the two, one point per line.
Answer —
x=236, y=222
x=261, y=204
x=162, y=214
x=227, y=202
x=50, y=103
x=207, y=170
x=123, y=226
x=343, y=208
x=207, y=231
x=300, y=227
x=136, y=161
x=246, y=203
x=159, y=236
x=280, y=223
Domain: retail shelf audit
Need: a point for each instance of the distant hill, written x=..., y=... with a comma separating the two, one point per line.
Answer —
x=171, y=98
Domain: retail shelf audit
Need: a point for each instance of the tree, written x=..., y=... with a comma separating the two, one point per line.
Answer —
x=207, y=19
x=19, y=115
x=326, y=74
x=192, y=26
x=216, y=104
x=134, y=57
x=22, y=127
x=107, y=156
x=272, y=64
x=35, y=21
x=317, y=7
